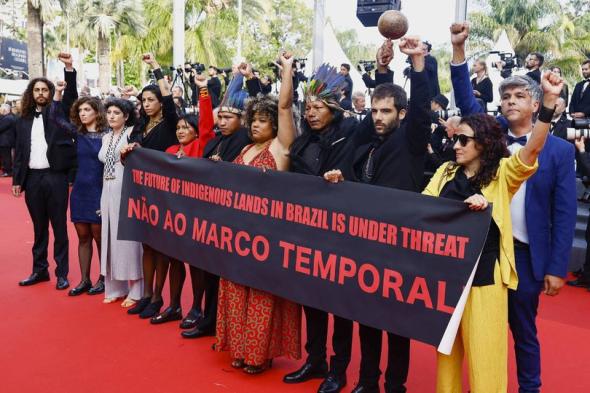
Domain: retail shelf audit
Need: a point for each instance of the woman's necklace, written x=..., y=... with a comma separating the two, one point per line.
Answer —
x=109, y=167
x=153, y=122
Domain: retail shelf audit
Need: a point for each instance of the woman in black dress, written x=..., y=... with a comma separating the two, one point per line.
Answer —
x=156, y=130
x=483, y=89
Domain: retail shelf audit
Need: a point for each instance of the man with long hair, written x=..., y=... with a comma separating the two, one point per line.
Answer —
x=44, y=154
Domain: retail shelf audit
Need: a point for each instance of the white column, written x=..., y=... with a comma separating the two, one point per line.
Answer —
x=240, y=22
x=461, y=10
x=178, y=33
x=319, y=21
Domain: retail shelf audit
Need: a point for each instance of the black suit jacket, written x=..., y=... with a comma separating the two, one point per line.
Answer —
x=580, y=103
x=7, y=130
x=61, y=148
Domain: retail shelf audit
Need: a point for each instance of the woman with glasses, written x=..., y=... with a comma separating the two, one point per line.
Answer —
x=484, y=172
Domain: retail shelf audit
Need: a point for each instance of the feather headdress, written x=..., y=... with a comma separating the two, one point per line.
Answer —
x=326, y=85
x=235, y=97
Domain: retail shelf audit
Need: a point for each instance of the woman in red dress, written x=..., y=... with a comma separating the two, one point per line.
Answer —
x=193, y=135
x=256, y=326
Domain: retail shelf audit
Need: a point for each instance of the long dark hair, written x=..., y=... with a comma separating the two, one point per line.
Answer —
x=125, y=106
x=490, y=141
x=191, y=120
x=28, y=104
x=94, y=103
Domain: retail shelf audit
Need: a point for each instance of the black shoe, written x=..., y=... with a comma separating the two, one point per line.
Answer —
x=306, y=372
x=580, y=283
x=332, y=384
x=168, y=315
x=62, y=283
x=98, y=288
x=192, y=318
x=34, y=278
x=139, y=306
x=360, y=388
x=84, y=286
x=578, y=273
x=197, y=333
x=151, y=310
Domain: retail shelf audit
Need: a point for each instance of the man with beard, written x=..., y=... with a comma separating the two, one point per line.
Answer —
x=42, y=160
x=543, y=210
x=580, y=104
x=394, y=157
x=224, y=147
x=534, y=61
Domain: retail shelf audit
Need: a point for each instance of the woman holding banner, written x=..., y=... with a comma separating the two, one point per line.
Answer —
x=156, y=130
x=483, y=172
x=193, y=134
x=120, y=261
x=256, y=326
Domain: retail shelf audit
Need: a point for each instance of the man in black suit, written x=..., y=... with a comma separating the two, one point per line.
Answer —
x=42, y=160
x=7, y=136
x=580, y=102
x=534, y=61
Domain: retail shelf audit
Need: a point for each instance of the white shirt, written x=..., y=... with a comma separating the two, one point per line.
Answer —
x=38, y=158
x=517, y=206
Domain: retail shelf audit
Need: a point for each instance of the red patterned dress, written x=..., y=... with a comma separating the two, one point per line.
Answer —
x=252, y=324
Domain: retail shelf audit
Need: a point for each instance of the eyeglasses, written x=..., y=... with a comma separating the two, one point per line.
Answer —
x=462, y=139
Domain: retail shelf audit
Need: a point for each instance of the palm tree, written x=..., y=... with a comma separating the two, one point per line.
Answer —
x=98, y=22
x=38, y=11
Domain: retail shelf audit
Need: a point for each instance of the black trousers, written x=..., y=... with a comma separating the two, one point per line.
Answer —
x=209, y=320
x=46, y=197
x=317, y=334
x=398, y=359
x=6, y=159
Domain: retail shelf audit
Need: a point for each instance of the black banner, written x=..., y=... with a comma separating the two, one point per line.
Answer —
x=13, y=54
x=395, y=260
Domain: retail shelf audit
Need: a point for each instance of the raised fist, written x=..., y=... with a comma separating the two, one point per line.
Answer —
x=412, y=46
x=551, y=84
x=200, y=81
x=60, y=86
x=246, y=70
x=385, y=53
x=65, y=58
x=459, y=33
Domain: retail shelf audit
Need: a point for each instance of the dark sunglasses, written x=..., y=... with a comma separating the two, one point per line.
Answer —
x=462, y=139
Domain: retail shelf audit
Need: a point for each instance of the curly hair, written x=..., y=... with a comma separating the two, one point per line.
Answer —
x=28, y=104
x=97, y=106
x=490, y=142
x=125, y=106
x=263, y=105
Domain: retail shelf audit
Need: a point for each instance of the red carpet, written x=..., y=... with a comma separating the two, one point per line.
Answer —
x=53, y=343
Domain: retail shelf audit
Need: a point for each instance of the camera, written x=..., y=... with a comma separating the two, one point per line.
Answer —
x=368, y=65
x=510, y=62
x=580, y=128
x=198, y=67
x=446, y=113
x=301, y=61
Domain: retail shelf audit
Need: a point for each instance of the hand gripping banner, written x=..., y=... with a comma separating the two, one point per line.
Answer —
x=391, y=259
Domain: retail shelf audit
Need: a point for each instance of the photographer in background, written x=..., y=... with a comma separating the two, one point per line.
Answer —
x=214, y=86
x=580, y=103
x=560, y=122
x=431, y=70
x=534, y=61
x=345, y=72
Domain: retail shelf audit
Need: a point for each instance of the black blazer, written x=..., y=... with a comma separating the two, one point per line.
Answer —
x=580, y=104
x=7, y=130
x=61, y=147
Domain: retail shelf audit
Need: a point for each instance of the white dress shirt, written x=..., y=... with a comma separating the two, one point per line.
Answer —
x=517, y=206
x=38, y=158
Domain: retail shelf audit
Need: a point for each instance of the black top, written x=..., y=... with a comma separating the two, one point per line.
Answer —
x=228, y=147
x=7, y=130
x=214, y=88
x=580, y=102
x=460, y=188
x=163, y=135
x=397, y=158
x=431, y=67
x=442, y=147
x=535, y=75
x=485, y=88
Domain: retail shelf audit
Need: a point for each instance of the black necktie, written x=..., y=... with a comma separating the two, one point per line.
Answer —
x=520, y=140
x=37, y=114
